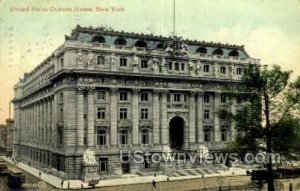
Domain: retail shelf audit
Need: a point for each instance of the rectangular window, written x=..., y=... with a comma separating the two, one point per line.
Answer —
x=144, y=63
x=123, y=113
x=101, y=137
x=239, y=71
x=223, y=99
x=177, y=97
x=123, y=62
x=144, y=113
x=100, y=60
x=168, y=97
x=101, y=95
x=62, y=62
x=123, y=96
x=170, y=65
x=223, y=70
x=206, y=114
x=147, y=162
x=182, y=66
x=101, y=112
x=207, y=133
x=123, y=137
x=145, y=136
x=61, y=113
x=206, y=98
x=176, y=66
x=206, y=68
x=144, y=96
x=224, y=134
x=103, y=164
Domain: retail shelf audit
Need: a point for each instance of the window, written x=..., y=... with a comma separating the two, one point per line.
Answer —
x=103, y=164
x=206, y=68
x=100, y=60
x=144, y=113
x=123, y=62
x=147, y=162
x=206, y=114
x=61, y=113
x=176, y=66
x=182, y=66
x=206, y=98
x=101, y=137
x=144, y=96
x=177, y=97
x=224, y=134
x=60, y=136
x=101, y=112
x=61, y=97
x=223, y=70
x=170, y=65
x=144, y=63
x=223, y=99
x=168, y=97
x=123, y=137
x=101, y=95
x=239, y=100
x=123, y=113
x=123, y=96
x=145, y=136
x=62, y=62
x=207, y=133
x=239, y=71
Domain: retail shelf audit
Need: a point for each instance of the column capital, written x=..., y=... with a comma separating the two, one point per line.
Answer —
x=135, y=91
x=164, y=92
x=80, y=89
x=91, y=90
x=200, y=93
x=113, y=90
x=156, y=91
x=193, y=92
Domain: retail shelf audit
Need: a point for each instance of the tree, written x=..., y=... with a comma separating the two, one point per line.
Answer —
x=271, y=110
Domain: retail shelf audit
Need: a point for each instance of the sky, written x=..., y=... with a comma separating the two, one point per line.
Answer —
x=269, y=29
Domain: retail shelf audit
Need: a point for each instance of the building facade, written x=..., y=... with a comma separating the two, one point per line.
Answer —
x=109, y=91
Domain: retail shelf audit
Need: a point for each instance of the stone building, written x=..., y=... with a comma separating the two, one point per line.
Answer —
x=109, y=90
x=6, y=137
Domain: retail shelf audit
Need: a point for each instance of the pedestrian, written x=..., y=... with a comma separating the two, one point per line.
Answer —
x=40, y=174
x=68, y=184
x=81, y=185
x=154, y=183
x=62, y=183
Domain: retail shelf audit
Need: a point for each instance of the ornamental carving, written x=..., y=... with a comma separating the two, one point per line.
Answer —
x=89, y=157
x=80, y=58
x=176, y=47
x=90, y=59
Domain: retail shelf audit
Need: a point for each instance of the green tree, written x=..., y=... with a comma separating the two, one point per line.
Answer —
x=271, y=112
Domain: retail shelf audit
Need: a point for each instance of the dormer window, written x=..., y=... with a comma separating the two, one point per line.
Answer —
x=120, y=41
x=234, y=53
x=98, y=39
x=141, y=43
x=201, y=50
x=218, y=52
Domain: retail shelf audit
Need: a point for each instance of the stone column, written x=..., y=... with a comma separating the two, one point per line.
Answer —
x=49, y=135
x=113, y=117
x=164, y=120
x=135, y=116
x=217, y=132
x=38, y=122
x=45, y=121
x=233, y=123
x=200, y=136
x=80, y=117
x=91, y=117
x=54, y=117
x=192, y=119
x=156, y=117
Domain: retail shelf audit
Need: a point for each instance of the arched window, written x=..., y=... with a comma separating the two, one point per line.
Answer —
x=141, y=43
x=160, y=46
x=120, y=41
x=233, y=53
x=218, y=51
x=99, y=39
x=202, y=50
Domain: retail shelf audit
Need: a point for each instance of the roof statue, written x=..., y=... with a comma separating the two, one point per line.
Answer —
x=176, y=47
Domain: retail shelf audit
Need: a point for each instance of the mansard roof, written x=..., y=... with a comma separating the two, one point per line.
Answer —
x=130, y=39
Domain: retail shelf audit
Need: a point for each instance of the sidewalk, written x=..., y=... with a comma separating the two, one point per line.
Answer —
x=77, y=184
